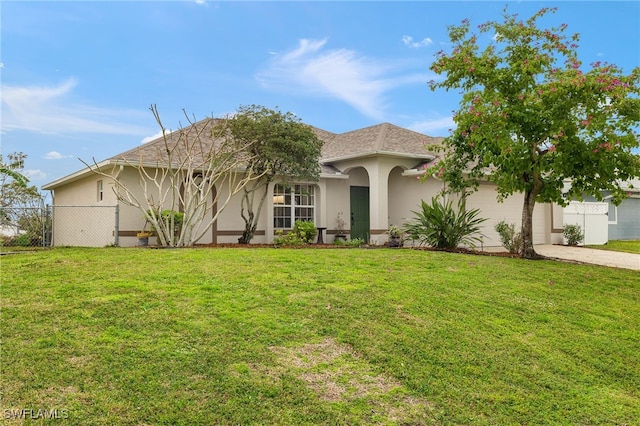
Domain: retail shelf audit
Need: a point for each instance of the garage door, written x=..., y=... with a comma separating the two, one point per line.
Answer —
x=510, y=210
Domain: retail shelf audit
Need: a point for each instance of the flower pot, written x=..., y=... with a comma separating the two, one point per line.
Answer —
x=395, y=242
x=143, y=239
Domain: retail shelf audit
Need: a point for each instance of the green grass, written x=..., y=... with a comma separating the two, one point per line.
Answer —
x=302, y=336
x=628, y=246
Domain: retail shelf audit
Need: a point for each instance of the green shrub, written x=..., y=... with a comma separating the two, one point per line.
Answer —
x=23, y=240
x=573, y=234
x=356, y=242
x=304, y=232
x=442, y=226
x=288, y=239
x=510, y=239
x=165, y=216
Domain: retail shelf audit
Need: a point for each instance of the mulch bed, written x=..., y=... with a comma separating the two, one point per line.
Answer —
x=335, y=246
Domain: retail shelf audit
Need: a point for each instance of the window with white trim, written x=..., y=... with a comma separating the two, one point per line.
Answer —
x=100, y=192
x=291, y=203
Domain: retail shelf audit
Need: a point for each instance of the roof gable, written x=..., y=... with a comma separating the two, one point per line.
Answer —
x=381, y=138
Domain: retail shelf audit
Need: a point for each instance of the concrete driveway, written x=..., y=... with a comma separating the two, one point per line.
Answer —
x=586, y=255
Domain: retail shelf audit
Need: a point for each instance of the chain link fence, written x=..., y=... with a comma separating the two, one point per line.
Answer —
x=58, y=226
x=23, y=227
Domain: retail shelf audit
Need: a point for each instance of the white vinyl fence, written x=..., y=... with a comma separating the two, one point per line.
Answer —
x=592, y=219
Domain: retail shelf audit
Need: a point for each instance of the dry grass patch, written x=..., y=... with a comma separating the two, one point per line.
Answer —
x=335, y=373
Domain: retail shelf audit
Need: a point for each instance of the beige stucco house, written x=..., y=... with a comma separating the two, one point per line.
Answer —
x=369, y=179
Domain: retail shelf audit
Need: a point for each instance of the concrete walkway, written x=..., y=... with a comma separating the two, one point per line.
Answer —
x=586, y=255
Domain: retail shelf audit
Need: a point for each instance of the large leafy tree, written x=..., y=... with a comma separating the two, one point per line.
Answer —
x=280, y=148
x=533, y=118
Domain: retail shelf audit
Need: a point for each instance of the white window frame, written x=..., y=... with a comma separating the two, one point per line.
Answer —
x=100, y=191
x=289, y=200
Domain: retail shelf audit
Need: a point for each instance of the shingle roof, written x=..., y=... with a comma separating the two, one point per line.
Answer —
x=381, y=138
x=155, y=151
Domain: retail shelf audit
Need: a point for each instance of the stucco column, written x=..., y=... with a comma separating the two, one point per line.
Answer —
x=321, y=203
x=378, y=201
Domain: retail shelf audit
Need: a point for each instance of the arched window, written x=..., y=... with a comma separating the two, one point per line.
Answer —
x=291, y=203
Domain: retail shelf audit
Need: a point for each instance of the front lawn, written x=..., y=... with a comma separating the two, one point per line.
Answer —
x=628, y=246
x=297, y=336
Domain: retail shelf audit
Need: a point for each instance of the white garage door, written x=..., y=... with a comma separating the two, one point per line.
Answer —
x=510, y=210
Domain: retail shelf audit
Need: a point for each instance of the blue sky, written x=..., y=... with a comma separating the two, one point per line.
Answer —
x=78, y=77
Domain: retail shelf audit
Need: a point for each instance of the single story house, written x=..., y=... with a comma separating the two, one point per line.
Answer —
x=369, y=180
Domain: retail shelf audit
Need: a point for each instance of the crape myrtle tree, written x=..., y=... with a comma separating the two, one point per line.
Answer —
x=281, y=148
x=532, y=117
x=193, y=165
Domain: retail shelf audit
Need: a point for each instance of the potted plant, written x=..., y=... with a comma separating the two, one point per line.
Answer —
x=143, y=238
x=396, y=236
x=340, y=225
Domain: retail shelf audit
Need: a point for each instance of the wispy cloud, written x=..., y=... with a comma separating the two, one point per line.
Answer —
x=438, y=126
x=312, y=69
x=408, y=41
x=35, y=174
x=49, y=109
x=55, y=155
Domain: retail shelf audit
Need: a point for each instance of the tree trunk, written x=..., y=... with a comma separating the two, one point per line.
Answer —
x=526, y=250
x=249, y=229
x=251, y=219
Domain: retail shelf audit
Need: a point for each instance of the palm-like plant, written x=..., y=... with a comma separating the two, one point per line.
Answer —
x=442, y=226
x=18, y=177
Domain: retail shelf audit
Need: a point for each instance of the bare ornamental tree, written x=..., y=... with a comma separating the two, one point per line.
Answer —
x=183, y=172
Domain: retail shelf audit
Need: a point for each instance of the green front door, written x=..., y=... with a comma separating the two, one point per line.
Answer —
x=360, y=212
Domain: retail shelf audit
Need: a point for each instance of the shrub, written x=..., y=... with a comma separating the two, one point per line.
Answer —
x=304, y=232
x=573, y=234
x=288, y=239
x=23, y=240
x=510, y=239
x=356, y=242
x=442, y=226
x=165, y=217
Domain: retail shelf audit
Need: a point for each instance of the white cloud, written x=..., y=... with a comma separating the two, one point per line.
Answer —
x=434, y=126
x=54, y=155
x=152, y=137
x=408, y=41
x=48, y=109
x=338, y=73
x=35, y=174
